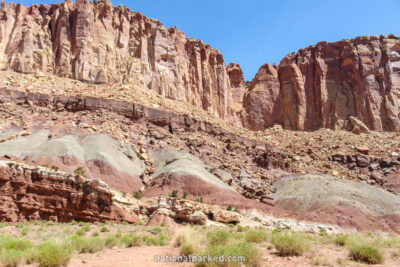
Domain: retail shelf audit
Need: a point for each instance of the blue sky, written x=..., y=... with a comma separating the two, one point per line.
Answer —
x=255, y=32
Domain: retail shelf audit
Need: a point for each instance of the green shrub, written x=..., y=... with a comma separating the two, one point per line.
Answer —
x=340, y=240
x=365, y=252
x=112, y=241
x=184, y=195
x=80, y=232
x=86, y=228
x=10, y=257
x=80, y=171
x=218, y=237
x=9, y=243
x=95, y=234
x=229, y=207
x=186, y=249
x=137, y=195
x=174, y=193
x=163, y=224
x=55, y=168
x=52, y=254
x=131, y=241
x=104, y=229
x=91, y=244
x=160, y=240
x=239, y=228
x=255, y=236
x=25, y=231
x=289, y=244
x=155, y=230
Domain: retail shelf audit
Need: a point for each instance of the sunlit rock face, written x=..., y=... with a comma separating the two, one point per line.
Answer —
x=99, y=43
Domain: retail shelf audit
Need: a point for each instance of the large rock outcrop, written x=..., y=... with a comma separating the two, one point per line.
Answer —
x=263, y=101
x=37, y=193
x=323, y=85
x=319, y=87
x=94, y=155
x=99, y=43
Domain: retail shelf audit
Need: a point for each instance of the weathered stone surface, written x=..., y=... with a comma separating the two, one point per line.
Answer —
x=345, y=85
x=238, y=86
x=262, y=102
x=36, y=193
x=323, y=85
x=99, y=43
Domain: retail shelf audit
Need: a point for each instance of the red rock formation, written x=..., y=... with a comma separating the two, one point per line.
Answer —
x=263, y=101
x=323, y=85
x=238, y=87
x=99, y=43
x=35, y=193
x=320, y=86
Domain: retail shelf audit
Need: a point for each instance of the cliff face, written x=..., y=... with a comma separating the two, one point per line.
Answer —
x=262, y=103
x=36, y=193
x=99, y=43
x=320, y=86
x=323, y=85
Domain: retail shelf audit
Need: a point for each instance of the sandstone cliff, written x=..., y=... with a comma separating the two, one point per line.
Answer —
x=319, y=87
x=323, y=85
x=36, y=193
x=99, y=43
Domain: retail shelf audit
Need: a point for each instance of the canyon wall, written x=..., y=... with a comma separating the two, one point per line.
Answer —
x=323, y=85
x=37, y=193
x=319, y=87
x=99, y=43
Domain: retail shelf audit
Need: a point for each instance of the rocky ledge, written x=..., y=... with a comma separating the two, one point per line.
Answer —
x=37, y=193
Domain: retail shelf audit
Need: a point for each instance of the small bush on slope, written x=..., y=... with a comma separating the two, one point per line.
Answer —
x=365, y=251
x=52, y=254
x=289, y=243
x=255, y=236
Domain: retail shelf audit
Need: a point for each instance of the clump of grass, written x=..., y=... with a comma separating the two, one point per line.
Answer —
x=240, y=228
x=131, y=241
x=91, y=244
x=174, y=193
x=112, y=241
x=24, y=231
x=52, y=254
x=9, y=243
x=10, y=257
x=80, y=232
x=95, y=234
x=137, y=195
x=155, y=230
x=255, y=236
x=80, y=171
x=187, y=249
x=289, y=243
x=341, y=240
x=104, y=229
x=218, y=237
x=160, y=240
x=365, y=251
